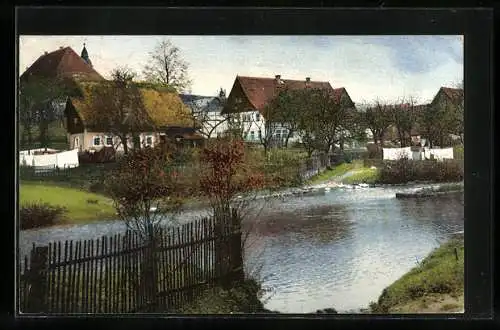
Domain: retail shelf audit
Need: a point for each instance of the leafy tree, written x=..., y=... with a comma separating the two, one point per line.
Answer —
x=38, y=98
x=166, y=66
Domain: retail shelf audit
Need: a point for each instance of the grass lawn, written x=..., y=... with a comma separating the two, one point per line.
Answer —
x=334, y=172
x=363, y=175
x=435, y=285
x=75, y=201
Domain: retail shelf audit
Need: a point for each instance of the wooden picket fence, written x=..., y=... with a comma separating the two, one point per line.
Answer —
x=122, y=274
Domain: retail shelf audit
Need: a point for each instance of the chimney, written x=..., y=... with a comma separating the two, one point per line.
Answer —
x=45, y=52
x=308, y=79
x=277, y=77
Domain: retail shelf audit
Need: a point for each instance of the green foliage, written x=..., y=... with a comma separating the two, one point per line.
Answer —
x=39, y=214
x=36, y=106
x=332, y=173
x=458, y=152
x=73, y=200
x=439, y=273
x=364, y=175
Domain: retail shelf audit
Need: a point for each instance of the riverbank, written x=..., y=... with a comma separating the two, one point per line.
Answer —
x=440, y=190
x=81, y=206
x=436, y=285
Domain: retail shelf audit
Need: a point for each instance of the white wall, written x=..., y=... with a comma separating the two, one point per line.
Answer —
x=214, y=119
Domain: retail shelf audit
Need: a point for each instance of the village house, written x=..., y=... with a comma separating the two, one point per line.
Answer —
x=249, y=96
x=169, y=117
x=206, y=111
x=452, y=98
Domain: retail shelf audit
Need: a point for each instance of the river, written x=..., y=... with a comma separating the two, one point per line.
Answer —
x=339, y=249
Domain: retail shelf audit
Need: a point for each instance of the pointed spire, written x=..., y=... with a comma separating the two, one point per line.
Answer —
x=85, y=55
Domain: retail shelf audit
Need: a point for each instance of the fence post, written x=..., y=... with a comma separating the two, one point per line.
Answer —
x=37, y=297
x=235, y=243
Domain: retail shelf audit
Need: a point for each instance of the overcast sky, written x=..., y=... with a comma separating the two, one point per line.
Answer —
x=369, y=67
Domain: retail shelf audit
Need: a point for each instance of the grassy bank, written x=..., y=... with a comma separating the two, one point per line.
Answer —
x=436, y=285
x=335, y=172
x=81, y=206
x=363, y=175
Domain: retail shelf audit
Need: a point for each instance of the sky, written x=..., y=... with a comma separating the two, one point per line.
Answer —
x=369, y=67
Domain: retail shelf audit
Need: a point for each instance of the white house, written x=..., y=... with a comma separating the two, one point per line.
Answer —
x=249, y=96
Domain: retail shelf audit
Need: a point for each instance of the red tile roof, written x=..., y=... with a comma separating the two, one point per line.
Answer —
x=260, y=91
x=64, y=62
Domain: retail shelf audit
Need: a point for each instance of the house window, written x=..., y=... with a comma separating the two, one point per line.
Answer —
x=149, y=140
x=108, y=141
x=252, y=135
x=76, y=143
x=257, y=116
x=96, y=140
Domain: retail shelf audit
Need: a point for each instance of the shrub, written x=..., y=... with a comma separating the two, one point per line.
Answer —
x=33, y=215
x=404, y=170
x=104, y=155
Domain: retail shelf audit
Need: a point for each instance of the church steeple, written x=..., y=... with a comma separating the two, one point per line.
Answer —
x=85, y=55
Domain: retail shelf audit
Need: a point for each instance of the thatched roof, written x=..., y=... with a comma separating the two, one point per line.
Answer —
x=163, y=107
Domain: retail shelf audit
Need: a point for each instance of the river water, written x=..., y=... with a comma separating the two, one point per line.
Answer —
x=338, y=249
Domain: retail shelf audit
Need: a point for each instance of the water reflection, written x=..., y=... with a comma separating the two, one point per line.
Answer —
x=337, y=250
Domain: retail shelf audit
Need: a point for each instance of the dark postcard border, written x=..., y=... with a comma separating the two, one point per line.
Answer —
x=475, y=24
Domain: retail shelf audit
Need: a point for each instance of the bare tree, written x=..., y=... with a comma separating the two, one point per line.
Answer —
x=403, y=117
x=208, y=121
x=166, y=66
x=377, y=119
x=118, y=107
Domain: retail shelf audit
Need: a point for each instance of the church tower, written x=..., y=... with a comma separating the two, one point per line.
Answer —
x=85, y=55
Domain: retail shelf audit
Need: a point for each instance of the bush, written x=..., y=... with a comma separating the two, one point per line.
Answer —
x=104, y=155
x=33, y=215
x=404, y=170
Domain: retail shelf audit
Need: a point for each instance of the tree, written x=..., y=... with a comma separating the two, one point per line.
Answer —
x=166, y=66
x=286, y=112
x=458, y=105
x=317, y=117
x=377, y=119
x=143, y=181
x=203, y=119
x=37, y=99
x=403, y=117
x=330, y=118
x=118, y=107
x=224, y=178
